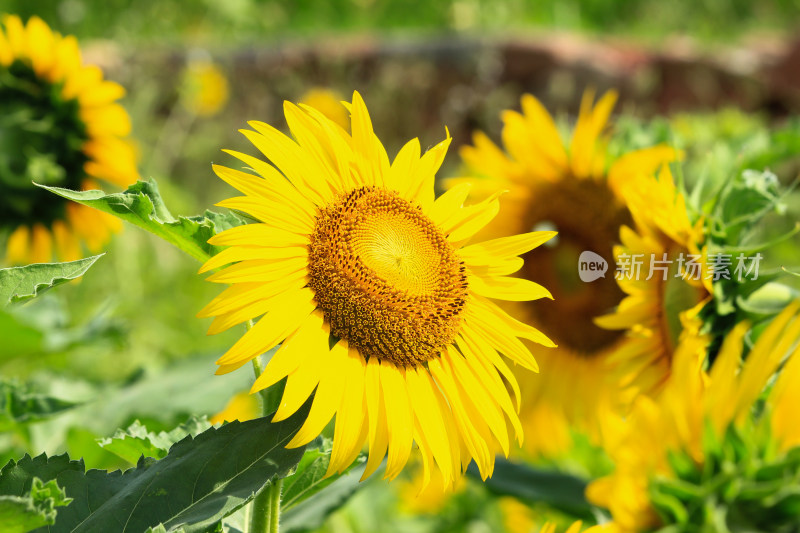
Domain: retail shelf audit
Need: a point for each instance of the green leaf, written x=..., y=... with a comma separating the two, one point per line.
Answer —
x=309, y=477
x=19, y=404
x=18, y=284
x=560, y=490
x=200, y=481
x=310, y=512
x=136, y=441
x=19, y=514
x=142, y=205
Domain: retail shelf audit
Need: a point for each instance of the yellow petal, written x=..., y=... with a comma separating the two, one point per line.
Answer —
x=272, y=328
x=398, y=416
x=350, y=417
x=309, y=339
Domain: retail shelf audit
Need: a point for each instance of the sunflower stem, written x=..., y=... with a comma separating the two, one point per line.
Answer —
x=275, y=505
x=266, y=507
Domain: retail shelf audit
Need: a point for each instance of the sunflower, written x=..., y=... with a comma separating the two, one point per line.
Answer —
x=700, y=453
x=241, y=407
x=384, y=312
x=664, y=273
x=577, y=190
x=204, y=89
x=329, y=103
x=520, y=518
x=59, y=125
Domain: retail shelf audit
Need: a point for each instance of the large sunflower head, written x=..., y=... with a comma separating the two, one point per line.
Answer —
x=576, y=188
x=383, y=309
x=60, y=125
x=709, y=453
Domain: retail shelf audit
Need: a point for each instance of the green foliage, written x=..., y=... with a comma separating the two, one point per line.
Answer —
x=743, y=485
x=19, y=404
x=142, y=205
x=19, y=284
x=735, y=225
x=742, y=203
x=558, y=489
x=160, y=399
x=308, y=497
x=135, y=441
x=34, y=509
x=248, y=20
x=199, y=482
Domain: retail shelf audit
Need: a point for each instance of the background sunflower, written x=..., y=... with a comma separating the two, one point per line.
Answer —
x=60, y=125
x=702, y=454
x=578, y=191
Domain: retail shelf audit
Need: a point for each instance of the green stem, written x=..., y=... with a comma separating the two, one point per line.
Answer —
x=266, y=507
x=275, y=504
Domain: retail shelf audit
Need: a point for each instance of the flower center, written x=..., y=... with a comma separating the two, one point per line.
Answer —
x=41, y=140
x=385, y=277
x=587, y=216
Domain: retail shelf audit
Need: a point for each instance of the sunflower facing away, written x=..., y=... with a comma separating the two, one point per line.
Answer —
x=666, y=292
x=577, y=190
x=710, y=453
x=60, y=125
x=384, y=311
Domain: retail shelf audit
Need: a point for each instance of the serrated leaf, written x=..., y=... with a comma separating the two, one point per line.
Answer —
x=19, y=404
x=18, y=284
x=19, y=514
x=142, y=205
x=200, y=481
x=136, y=441
x=310, y=513
x=557, y=489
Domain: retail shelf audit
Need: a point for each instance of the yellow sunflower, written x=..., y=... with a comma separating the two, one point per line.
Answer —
x=329, y=103
x=241, y=407
x=204, y=90
x=663, y=270
x=578, y=191
x=384, y=312
x=59, y=125
x=681, y=435
x=520, y=518
x=575, y=527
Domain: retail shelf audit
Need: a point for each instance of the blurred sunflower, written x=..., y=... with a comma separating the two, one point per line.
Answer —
x=60, y=125
x=578, y=191
x=575, y=527
x=204, y=90
x=381, y=306
x=520, y=518
x=329, y=103
x=709, y=454
x=241, y=407
x=417, y=498
x=665, y=275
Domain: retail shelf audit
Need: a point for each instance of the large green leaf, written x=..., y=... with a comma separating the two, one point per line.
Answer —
x=19, y=514
x=142, y=205
x=20, y=404
x=136, y=441
x=200, y=481
x=560, y=490
x=18, y=284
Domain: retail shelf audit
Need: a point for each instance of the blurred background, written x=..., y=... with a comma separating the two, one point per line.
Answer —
x=717, y=78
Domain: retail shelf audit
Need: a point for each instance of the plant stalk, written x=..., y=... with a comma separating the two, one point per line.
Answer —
x=266, y=506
